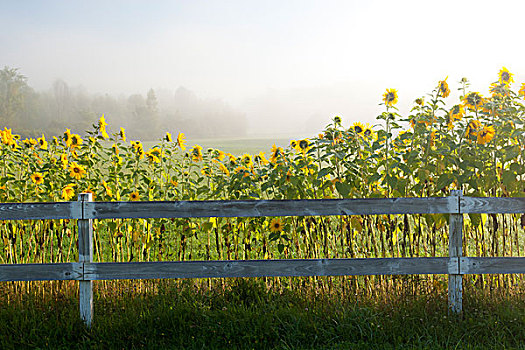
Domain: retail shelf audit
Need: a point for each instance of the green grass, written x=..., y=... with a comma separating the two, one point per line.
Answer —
x=235, y=146
x=245, y=314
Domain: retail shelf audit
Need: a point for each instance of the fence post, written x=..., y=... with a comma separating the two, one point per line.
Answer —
x=455, y=250
x=85, y=255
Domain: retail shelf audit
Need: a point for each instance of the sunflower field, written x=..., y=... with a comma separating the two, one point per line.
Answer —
x=475, y=144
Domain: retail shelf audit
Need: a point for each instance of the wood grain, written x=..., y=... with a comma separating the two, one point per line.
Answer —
x=492, y=205
x=41, y=272
x=307, y=207
x=85, y=255
x=267, y=268
x=486, y=265
x=455, y=250
x=37, y=211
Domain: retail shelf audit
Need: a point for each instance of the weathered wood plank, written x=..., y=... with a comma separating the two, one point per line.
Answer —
x=269, y=268
x=85, y=255
x=455, y=250
x=41, y=272
x=310, y=207
x=488, y=265
x=492, y=205
x=37, y=211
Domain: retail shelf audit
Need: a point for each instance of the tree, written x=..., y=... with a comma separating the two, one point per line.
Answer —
x=13, y=87
x=62, y=96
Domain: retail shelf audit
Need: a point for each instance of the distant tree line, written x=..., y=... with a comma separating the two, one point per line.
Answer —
x=30, y=113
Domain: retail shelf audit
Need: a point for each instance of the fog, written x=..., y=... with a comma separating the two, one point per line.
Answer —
x=249, y=67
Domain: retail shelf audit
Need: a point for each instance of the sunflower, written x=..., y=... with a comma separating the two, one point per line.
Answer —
x=486, y=134
x=303, y=145
x=276, y=153
x=37, y=178
x=74, y=153
x=181, y=141
x=473, y=100
x=64, y=160
x=168, y=137
x=242, y=170
x=102, y=127
x=223, y=168
x=67, y=137
x=218, y=154
x=522, y=90
x=232, y=158
x=109, y=192
x=420, y=101
x=368, y=132
x=456, y=113
x=443, y=89
x=196, y=153
x=358, y=128
x=134, y=196
x=390, y=97
x=260, y=158
x=76, y=140
x=152, y=156
x=122, y=134
x=505, y=77
x=42, y=142
x=246, y=160
x=206, y=171
x=8, y=138
x=276, y=225
x=76, y=170
x=68, y=192
x=30, y=143
x=138, y=148
x=472, y=128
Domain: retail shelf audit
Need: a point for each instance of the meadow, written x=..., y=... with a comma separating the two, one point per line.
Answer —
x=475, y=145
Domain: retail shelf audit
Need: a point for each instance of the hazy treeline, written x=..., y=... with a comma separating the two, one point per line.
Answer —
x=148, y=117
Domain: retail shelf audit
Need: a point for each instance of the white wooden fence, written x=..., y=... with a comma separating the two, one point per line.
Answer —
x=85, y=270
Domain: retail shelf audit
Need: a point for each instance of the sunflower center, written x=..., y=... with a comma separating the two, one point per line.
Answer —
x=390, y=97
x=303, y=144
x=505, y=76
x=358, y=129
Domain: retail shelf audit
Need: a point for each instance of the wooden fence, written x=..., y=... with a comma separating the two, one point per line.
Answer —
x=85, y=270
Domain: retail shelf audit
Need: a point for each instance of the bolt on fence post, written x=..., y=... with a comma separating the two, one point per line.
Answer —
x=455, y=250
x=85, y=255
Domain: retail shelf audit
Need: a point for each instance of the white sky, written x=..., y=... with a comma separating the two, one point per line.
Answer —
x=280, y=62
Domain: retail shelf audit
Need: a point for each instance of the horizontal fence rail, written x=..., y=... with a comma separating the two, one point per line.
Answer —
x=85, y=270
x=254, y=208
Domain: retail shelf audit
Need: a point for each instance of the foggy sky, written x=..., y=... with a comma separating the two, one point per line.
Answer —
x=289, y=65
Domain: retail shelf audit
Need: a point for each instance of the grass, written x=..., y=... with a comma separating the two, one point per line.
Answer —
x=245, y=314
x=235, y=146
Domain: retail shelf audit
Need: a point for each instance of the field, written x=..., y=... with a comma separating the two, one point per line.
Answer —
x=475, y=145
x=238, y=146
